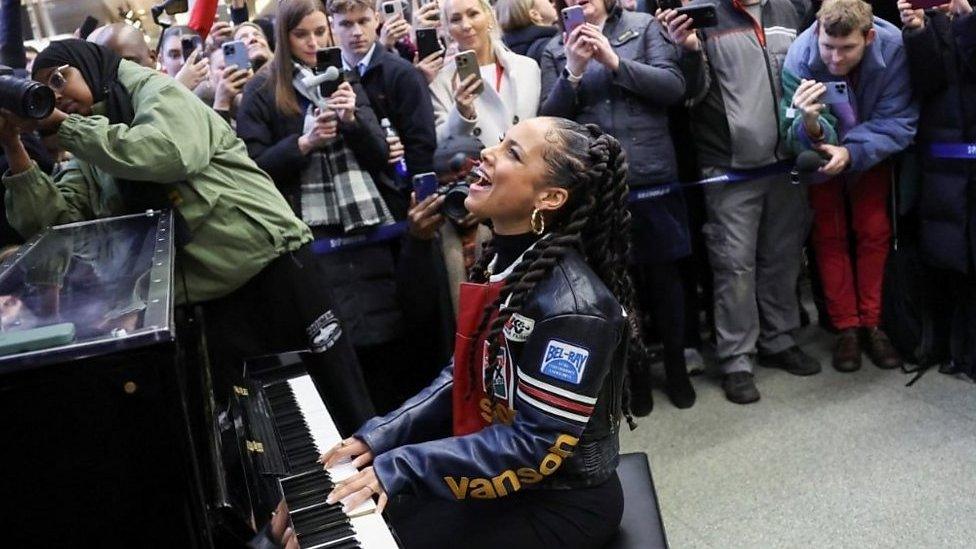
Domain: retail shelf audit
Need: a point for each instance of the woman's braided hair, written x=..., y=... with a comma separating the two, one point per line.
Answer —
x=595, y=221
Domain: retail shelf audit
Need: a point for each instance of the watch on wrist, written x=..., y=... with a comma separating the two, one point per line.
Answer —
x=573, y=78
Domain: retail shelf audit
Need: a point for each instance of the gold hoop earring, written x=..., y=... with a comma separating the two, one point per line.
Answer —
x=537, y=221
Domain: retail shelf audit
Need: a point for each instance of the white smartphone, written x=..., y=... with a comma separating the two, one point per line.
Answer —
x=392, y=8
x=837, y=93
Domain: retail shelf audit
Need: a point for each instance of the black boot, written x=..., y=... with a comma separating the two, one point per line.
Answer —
x=678, y=384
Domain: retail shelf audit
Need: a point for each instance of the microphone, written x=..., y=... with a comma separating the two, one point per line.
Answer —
x=807, y=163
x=329, y=75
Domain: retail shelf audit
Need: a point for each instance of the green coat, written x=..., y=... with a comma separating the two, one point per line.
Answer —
x=238, y=219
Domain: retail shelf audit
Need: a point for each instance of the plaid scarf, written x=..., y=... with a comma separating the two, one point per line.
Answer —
x=335, y=191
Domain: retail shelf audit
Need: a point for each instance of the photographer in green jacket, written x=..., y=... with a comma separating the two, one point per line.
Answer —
x=142, y=141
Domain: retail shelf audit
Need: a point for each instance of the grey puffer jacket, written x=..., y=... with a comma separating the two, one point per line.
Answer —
x=631, y=104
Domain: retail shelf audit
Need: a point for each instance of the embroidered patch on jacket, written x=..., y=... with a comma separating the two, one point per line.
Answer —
x=564, y=362
x=324, y=332
x=519, y=328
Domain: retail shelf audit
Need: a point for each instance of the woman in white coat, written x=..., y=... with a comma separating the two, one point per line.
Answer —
x=512, y=82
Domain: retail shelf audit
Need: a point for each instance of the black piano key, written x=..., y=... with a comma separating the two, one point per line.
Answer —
x=314, y=520
x=339, y=532
x=311, y=477
x=295, y=490
x=347, y=544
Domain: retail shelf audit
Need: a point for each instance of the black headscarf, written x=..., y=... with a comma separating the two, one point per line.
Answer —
x=99, y=66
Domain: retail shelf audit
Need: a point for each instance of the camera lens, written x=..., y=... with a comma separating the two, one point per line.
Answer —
x=26, y=98
x=453, y=206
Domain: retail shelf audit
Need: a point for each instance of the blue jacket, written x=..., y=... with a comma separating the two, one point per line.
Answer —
x=565, y=379
x=882, y=98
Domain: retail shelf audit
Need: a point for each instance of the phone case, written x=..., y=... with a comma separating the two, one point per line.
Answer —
x=837, y=93
x=427, y=43
x=235, y=53
x=703, y=15
x=572, y=18
x=424, y=185
x=325, y=58
x=467, y=64
x=926, y=4
x=187, y=45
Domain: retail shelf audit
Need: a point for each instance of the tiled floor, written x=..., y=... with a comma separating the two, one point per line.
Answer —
x=832, y=460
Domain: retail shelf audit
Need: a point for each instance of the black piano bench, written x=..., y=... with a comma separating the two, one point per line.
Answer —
x=641, y=526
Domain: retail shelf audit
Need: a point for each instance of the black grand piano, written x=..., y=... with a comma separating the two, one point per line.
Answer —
x=111, y=433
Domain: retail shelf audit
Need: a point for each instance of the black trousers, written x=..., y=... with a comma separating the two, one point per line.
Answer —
x=271, y=313
x=585, y=518
x=660, y=292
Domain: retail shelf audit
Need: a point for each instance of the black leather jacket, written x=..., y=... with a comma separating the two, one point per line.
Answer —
x=567, y=358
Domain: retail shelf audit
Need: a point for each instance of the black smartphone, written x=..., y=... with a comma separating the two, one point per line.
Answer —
x=702, y=15
x=668, y=4
x=427, y=43
x=176, y=6
x=87, y=27
x=325, y=58
x=188, y=44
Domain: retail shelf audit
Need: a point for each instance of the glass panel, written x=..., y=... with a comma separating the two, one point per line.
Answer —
x=110, y=278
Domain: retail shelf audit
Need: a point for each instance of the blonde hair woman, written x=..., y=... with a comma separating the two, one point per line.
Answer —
x=512, y=82
x=527, y=25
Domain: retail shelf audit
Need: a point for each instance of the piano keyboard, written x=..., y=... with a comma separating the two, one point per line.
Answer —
x=306, y=431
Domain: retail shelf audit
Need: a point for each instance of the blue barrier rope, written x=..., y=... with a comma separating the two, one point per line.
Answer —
x=957, y=151
x=395, y=230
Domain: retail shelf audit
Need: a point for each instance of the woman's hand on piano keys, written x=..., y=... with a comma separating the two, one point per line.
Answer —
x=290, y=540
x=359, y=488
x=352, y=448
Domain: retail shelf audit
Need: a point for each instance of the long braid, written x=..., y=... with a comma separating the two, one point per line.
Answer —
x=595, y=221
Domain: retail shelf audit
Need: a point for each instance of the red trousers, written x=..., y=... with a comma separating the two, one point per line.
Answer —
x=852, y=286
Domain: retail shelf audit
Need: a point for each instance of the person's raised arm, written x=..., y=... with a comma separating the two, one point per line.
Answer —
x=155, y=147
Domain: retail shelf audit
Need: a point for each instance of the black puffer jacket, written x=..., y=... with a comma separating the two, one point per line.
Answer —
x=530, y=41
x=565, y=375
x=942, y=59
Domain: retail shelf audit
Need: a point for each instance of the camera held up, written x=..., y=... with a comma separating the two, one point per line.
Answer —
x=25, y=98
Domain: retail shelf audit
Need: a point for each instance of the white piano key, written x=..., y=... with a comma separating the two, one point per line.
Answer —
x=324, y=432
x=373, y=533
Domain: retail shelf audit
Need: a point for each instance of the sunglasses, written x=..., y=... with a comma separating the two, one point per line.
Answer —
x=57, y=80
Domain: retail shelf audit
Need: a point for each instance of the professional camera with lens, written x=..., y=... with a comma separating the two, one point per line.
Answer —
x=454, y=194
x=25, y=98
x=453, y=161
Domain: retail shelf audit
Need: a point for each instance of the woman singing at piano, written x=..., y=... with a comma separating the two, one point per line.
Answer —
x=515, y=444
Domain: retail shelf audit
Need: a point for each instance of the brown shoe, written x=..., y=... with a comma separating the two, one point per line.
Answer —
x=847, y=351
x=880, y=350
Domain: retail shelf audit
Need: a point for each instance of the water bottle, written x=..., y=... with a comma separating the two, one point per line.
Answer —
x=401, y=165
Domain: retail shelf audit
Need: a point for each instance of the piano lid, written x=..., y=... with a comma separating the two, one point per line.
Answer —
x=111, y=278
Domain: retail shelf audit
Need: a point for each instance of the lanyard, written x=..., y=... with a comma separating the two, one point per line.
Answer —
x=499, y=71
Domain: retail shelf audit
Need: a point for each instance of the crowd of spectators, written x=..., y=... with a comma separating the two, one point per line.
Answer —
x=258, y=154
